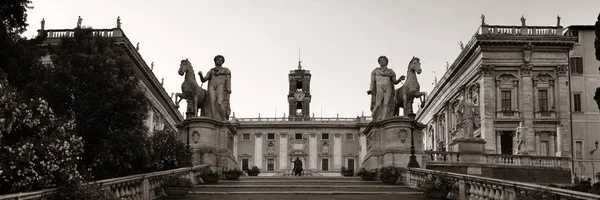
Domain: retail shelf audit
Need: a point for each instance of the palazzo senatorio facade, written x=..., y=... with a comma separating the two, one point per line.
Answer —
x=324, y=145
x=511, y=75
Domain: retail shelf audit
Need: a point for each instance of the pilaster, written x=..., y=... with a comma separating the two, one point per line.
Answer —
x=487, y=107
x=283, y=151
x=258, y=147
x=312, y=151
x=363, y=147
x=563, y=133
x=337, y=151
x=537, y=144
x=527, y=107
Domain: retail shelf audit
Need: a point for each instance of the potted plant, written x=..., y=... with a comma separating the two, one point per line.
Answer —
x=209, y=176
x=233, y=174
x=254, y=171
x=389, y=174
x=367, y=175
x=538, y=193
x=437, y=186
x=176, y=185
x=347, y=172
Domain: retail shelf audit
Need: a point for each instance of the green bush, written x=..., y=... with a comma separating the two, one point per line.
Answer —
x=168, y=152
x=177, y=181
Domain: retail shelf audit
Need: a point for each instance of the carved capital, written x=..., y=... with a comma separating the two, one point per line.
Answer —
x=337, y=135
x=313, y=134
x=526, y=69
x=487, y=70
x=258, y=134
x=562, y=70
x=282, y=134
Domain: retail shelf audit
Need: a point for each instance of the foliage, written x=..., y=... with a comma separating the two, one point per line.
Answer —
x=597, y=41
x=438, y=182
x=235, y=171
x=38, y=150
x=255, y=169
x=169, y=152
x=344, y=169
x=534, y=194
x=13, y=17
x=78, y=191
x=208, y=172
x=93, y=81
x=389, y=171
x=367, y=173
x=177, y=181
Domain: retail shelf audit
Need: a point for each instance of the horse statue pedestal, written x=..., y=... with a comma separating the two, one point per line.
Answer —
x=211, y=142
x=388, y=142
x=468, y=145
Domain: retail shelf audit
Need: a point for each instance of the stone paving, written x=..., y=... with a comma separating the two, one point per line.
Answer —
x=330, y=188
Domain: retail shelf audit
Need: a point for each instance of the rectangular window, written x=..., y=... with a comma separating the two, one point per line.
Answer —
x=350, y=164
x=577, y=102
x=270, y=165
x=325, y=164
x=576, y=65
x=544, y=148
x=506, y=101
x=245, y=164
x=543, y=100
x=246, y=136
x=298, y=136
x=325, y=136
x=271, y=136
x=349, y=136
x=579, y=149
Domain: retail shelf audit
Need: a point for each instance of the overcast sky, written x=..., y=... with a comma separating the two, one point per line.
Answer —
x=340, y=40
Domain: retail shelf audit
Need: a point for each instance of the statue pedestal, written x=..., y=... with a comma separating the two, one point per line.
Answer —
x=190, y=112
x=468, y=145
x=211, y=142
x=388, y=143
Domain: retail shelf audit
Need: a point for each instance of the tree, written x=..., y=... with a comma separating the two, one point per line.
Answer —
x=597, y=41
x=37, y=149
x=93, y=81
x=169, y=152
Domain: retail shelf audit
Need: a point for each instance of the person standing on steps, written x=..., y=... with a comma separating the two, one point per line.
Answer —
x=297, y=167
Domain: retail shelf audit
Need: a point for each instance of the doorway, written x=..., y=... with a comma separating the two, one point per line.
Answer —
x=324, y=164
x=506, y=142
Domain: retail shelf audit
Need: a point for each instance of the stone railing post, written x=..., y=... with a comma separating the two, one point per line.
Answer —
x=145, y=188
x=192, y=177
x=525, y=160
x=462, y=189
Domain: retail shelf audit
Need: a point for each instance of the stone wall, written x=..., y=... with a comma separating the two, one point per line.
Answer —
x=541, y=175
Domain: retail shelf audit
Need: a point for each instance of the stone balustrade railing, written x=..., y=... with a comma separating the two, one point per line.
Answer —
x=496, y=159
x=318, y=120
x=60, y=33
x=521, y=30
x=141, y=186
x=476, y=187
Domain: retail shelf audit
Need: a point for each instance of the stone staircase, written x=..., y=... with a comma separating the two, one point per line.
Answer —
x=305, y=187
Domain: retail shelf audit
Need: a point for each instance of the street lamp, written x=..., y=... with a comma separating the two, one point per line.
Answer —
x=412, y=163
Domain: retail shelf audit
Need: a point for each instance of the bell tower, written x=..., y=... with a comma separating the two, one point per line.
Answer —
x=299, y=95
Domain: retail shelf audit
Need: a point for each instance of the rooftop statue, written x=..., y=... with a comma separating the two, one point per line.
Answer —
x=219, y=88
x=381, y=90
x=410, y=90
x=190, y=90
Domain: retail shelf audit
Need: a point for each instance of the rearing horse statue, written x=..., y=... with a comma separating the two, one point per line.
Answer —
x=410, y=90
x=190, y=88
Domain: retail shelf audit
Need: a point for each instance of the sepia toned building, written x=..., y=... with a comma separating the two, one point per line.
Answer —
x=509, y=75
x=585, y=115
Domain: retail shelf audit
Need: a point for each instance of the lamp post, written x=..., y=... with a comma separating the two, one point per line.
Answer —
x=593, y=168
x=412, y=163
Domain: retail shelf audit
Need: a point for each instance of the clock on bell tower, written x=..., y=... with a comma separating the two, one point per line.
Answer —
x=299, y=94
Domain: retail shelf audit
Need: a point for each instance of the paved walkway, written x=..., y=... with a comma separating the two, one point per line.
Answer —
x=300, y=197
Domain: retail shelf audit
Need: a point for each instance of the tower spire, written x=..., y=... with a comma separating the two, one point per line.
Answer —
x=299, y=61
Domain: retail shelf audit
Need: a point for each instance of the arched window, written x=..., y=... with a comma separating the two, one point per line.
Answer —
x=507, y=95
x=543, y=85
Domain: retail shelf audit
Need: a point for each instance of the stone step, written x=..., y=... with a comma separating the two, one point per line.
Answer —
x=305, y=182
x=300, y=177
x=318, y=196
x=307, y=189
x=300, y=186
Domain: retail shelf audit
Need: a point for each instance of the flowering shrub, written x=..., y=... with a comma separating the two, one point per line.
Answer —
x=177, y=181
x=438, y=182
x=169, y=153
x=37, y=150
x=77, y=191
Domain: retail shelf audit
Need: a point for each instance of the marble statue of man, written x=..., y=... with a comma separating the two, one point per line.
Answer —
x=521, y=141
x=382, y=90
x=219, y=89
x=465, y=111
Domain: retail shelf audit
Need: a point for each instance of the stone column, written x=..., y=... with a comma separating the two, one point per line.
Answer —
x=337, y=151
x=487, y=106
x=527, y=107
x=312, y=151
x=258, y=147
x=538, y=144
x=283, y=151
x=363, y=147
x=435, y=133
x=447, y=125
x=498, y=143
x=563, y=133
x=552, y=144
x=235, y=148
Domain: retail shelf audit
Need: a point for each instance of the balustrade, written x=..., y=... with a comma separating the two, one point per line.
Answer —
x=60, y=33
x=142, y=186
x=496, y=159
x=316, y=120
x=475, y=187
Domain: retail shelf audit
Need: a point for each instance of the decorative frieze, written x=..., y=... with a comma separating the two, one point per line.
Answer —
x=562, y=70
x=526, y=69
x=487, y=70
